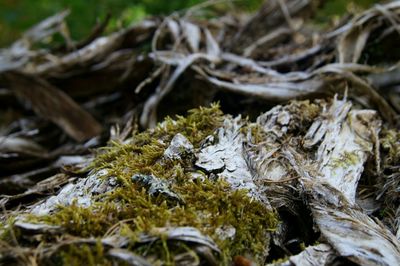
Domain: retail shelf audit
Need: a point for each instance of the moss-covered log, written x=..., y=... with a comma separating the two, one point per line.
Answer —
x=203, y=189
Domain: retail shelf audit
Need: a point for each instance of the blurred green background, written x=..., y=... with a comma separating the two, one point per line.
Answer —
x=18, y=15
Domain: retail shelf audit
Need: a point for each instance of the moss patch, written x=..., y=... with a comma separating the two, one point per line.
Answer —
x=390, y=140
x=129, y=210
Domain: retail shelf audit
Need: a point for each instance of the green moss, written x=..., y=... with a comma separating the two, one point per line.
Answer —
x=81, y=221
x=209, y=206
x=146, y=148
x=280, y=261
x=195, y=127
x=129, y=210
x=303, y=114
x=78, y=255
x=390, y=141
x=7, y=232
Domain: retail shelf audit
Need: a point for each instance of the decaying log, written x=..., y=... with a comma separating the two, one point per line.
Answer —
x=316, y=149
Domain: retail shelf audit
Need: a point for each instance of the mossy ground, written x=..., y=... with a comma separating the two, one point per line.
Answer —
x=128, y=210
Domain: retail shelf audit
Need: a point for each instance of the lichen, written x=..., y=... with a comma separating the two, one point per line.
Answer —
x=345, y=160
x=129, y=210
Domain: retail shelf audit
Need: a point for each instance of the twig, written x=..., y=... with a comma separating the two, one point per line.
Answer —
x=281, y=180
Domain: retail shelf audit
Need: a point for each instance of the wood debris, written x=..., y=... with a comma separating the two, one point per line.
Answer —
x=99, y=165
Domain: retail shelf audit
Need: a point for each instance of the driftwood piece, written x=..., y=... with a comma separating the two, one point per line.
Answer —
x=330, y=176
x=332, y=191
x=53, y=104
x=321, y=254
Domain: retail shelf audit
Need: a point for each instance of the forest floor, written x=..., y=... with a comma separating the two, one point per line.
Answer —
x=204, y=138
